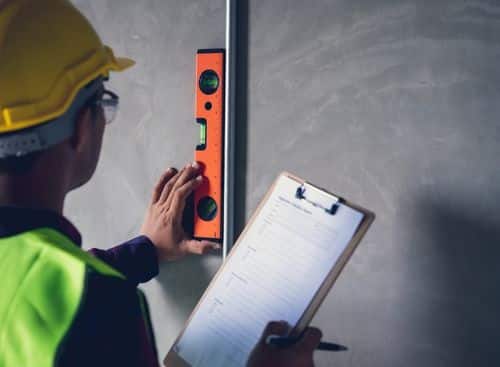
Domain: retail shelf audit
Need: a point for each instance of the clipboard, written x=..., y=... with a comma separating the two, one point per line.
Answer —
x=307, y=200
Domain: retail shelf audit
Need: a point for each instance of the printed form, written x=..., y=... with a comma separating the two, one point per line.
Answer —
x=273, y=274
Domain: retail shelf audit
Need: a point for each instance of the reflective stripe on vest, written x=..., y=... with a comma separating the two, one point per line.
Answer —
x=42, y=278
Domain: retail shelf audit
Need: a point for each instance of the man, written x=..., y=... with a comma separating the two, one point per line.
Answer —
x=60, y=306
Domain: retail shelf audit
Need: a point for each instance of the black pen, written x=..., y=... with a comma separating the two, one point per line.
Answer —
x=283, y=342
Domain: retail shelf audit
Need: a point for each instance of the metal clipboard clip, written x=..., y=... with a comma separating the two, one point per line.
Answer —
x=318, y=198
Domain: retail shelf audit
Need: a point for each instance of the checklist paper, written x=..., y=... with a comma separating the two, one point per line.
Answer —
x=272, y=274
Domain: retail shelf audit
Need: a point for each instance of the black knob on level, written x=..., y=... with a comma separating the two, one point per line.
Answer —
x=207, y=208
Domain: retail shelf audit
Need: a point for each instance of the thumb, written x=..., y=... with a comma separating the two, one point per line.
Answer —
x=310, y=339
x=195, y=247
x=279, y=328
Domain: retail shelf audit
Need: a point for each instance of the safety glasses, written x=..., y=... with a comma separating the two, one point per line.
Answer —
x=107, y=102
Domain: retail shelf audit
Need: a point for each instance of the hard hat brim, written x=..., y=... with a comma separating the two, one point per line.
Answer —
x=123, y=63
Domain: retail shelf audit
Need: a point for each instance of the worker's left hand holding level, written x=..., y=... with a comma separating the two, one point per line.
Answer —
x=163, y=222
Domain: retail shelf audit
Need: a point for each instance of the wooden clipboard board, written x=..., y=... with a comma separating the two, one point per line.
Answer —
x=174, y=360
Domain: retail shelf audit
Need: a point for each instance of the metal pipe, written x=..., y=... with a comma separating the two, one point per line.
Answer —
x=230, y=126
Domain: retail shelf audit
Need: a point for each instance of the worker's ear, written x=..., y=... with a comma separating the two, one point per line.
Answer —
x=83, y=131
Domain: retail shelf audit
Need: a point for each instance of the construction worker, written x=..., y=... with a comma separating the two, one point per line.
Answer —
x=59, y=305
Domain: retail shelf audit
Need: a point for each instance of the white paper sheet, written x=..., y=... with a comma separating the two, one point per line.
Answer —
x=273, y=274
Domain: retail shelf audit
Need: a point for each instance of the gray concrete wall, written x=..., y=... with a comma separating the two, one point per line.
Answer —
x=393, y=103
x=155, y=129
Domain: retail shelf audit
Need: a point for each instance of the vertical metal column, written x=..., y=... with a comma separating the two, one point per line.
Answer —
x=230, y=126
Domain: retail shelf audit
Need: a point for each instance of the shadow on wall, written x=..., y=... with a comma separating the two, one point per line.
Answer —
x=458, y=269
x=188, y=278
x=241, y=119
x=185, y=283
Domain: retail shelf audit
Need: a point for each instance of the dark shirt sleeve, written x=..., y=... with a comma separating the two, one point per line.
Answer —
x=137, y=259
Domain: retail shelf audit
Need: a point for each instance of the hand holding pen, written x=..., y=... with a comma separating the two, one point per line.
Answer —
x=276, y=349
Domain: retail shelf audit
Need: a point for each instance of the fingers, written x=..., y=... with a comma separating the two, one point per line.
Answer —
x=310, y=339
x=180, y=196
x=190, y=171
x=190, y=246
x=165, y=177
x=168, y=188
x=279, y=328
x=187, y=174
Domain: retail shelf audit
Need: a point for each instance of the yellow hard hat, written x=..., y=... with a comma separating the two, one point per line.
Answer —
x=48, y=52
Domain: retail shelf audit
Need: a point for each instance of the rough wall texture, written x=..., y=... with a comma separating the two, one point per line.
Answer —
x=391, y=103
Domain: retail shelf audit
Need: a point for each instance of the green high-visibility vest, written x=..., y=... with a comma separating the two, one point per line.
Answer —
x=42, y=278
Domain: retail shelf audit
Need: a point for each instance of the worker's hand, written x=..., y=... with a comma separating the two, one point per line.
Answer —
x=163, y=222
x=298, y=355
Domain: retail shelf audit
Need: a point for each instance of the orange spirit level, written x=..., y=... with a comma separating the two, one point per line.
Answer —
x=208, y=198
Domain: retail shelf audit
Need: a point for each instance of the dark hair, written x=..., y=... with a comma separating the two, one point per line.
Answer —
x=18, y=165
